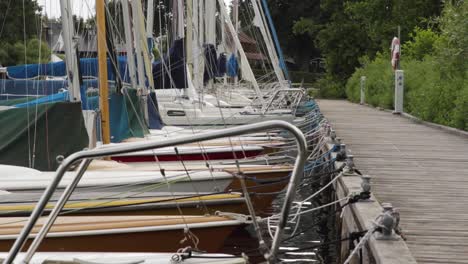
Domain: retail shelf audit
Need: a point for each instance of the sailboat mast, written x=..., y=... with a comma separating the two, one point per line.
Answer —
x=275, y=38
x=150, y=25
x=248, y=74
x=129, y=43
x=235, y=11
x=70, y=55
x=189, y=38
x=268, y=41
x=102, y=64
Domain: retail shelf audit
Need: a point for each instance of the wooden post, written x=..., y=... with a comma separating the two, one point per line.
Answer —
x=102, y=62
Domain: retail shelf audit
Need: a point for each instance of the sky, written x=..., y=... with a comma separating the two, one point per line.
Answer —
x=84, y=8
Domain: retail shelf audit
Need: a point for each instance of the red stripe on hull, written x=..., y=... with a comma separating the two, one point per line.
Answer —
x=190, y=157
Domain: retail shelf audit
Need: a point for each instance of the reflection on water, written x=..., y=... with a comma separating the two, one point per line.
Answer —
x=303, y=240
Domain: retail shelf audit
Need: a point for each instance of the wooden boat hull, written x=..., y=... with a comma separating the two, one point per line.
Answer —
x=209, y=204
x=261, y=182
x=189, y=156
x=192, y=206
x=211, y=240
x=127, y=235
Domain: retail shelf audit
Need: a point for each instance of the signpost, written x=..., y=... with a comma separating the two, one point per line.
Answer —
x=399, y=76
x=363, y=90
x=399, y=91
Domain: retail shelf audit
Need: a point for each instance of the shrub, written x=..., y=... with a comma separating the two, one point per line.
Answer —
x=436, y=87
x=301, y=76
x=422, y=44
x=379, y=83
x=13, y=54
x=330, y=87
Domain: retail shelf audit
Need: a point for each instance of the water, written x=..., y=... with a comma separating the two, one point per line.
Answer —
x=310, y=243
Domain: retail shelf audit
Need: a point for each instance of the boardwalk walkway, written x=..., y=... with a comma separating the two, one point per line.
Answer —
x=421, y=170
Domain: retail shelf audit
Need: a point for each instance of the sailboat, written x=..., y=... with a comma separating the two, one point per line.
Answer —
x=103, y=232
x=131, y=233
x=183, y=111
x=109, y=233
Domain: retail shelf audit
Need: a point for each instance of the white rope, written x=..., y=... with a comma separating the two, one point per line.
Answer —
x=361, y=243
x=323, y=206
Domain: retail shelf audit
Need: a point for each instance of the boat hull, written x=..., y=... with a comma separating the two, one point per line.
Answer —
x=211, y=240
x=127, y=233
x=189, y=157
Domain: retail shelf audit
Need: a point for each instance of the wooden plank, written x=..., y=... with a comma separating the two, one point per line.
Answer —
x=421, y=170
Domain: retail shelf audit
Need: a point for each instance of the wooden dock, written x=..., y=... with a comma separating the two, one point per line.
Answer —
x=421, y=170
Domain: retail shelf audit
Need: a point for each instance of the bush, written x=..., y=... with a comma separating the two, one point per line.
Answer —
x=14, y=54
x=330, y=87
x=429, y=94
x=301, y=76
x=436, y=87
x=422, y=44
x=379, y=83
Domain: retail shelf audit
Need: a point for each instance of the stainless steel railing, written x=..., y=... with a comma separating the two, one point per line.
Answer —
x=87, y=156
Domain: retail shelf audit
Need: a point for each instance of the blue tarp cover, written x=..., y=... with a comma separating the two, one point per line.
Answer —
x=232, y=66
x=58, y=97
x=88, y=67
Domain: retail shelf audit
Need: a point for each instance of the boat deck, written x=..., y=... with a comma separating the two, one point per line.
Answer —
x=421, y=170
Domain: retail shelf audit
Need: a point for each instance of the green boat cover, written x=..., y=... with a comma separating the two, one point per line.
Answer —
x=11, y=102
x=126, y=114
x=34, y=136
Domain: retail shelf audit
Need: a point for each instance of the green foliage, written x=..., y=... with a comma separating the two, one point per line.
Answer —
x=452, y=48
x=429, y=94
x=436, y=88
x=380, y=18
x=20, y=20
x=379, y=82
x=298, y=44
x=329, y=87
x=344, y=31
x=301, y=76
x=156, y=53
x=20, y=23
x=422, y=44
x=312, y=92
x=305, y=26
x=460, y=115
x=35, y=52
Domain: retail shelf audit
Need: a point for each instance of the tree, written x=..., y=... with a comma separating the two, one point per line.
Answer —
x=36, y=51
x=20, y=24
x=452, y=48
x=343, y=31
x=18, y=21
x=381, y=18
x=422, y=44
x=288, y=16
x=342, y=40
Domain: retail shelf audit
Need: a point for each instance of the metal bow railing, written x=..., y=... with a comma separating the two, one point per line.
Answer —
x=87, y=156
